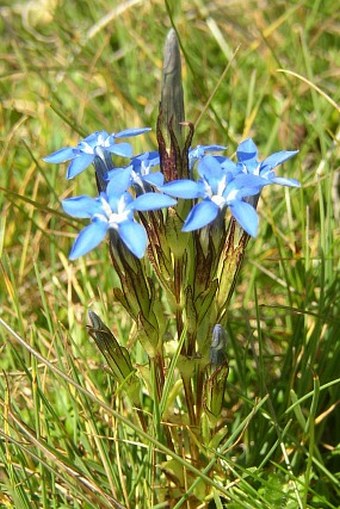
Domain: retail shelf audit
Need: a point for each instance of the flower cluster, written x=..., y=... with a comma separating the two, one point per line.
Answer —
x=215, y=183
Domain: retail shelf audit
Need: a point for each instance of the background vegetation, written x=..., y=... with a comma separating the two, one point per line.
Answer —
x=265, y=69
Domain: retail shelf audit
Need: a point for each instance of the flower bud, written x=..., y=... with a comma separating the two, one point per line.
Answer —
x=218, y=353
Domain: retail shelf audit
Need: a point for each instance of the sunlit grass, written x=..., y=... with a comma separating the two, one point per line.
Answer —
x=67, y=437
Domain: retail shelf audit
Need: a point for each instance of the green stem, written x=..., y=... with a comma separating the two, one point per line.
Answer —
x=177, y=287
x=162, y=430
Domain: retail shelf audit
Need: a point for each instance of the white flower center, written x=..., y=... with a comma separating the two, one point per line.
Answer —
x=217, y=197
x=145, y=169
x=232, y=195
x=257, y=170
x=221, y=185
x=218, y=200
x=114, y=218
x=137, y=178
x=101, y=140
x=86, y=148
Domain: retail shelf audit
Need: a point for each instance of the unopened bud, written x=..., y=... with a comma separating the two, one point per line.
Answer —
x=218, y=353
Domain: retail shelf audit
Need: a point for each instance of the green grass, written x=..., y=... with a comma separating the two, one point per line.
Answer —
x=67, y=436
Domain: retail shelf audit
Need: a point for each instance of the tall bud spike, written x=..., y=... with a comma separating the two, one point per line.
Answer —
x=172, y=100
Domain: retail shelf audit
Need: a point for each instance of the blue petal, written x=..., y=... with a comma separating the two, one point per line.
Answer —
x=134, y=237
x=246, y=216
x=277, y=158
x=79, y=164
x=92, y=139
x=210, y=169
x=153, y=158
x=282, y=181
x=212, y=148
x=200, y=215
x=228, y=165
x=249, y=180
x=149, y=159
x=184, y=188
x=128, y=133
x=81, y=206
x=246, y=185
x=155, y=179
x=118, y=204
x=199, y=151
x=122, y=203
x=60, y=156
x=235, y=191
x=88, y=239
x=152, y=201
x=119, y=181
x=246, y=151
x=120, y=149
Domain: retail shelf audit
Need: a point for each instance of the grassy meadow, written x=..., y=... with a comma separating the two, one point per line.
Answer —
x=261, y=69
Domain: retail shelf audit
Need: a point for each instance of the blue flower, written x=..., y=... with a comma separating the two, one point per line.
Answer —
x=217, y=188
x=195, y=154
x=220, y=189
x=113, y=209
x=247, y=163
x=142, y=174
x=99, y=144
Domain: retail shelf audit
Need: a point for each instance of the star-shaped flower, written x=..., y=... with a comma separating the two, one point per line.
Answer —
x=248, y=163
x=217, y=189
x=113, y=209
x=99, y=144
x=142, y=174
x=197, y=153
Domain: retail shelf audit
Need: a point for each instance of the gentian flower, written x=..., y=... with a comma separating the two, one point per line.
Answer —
x=195, y=154
x=142, y=176
x=247, y=163
x=218, y=189
x=113, y=209
x=99, y=144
